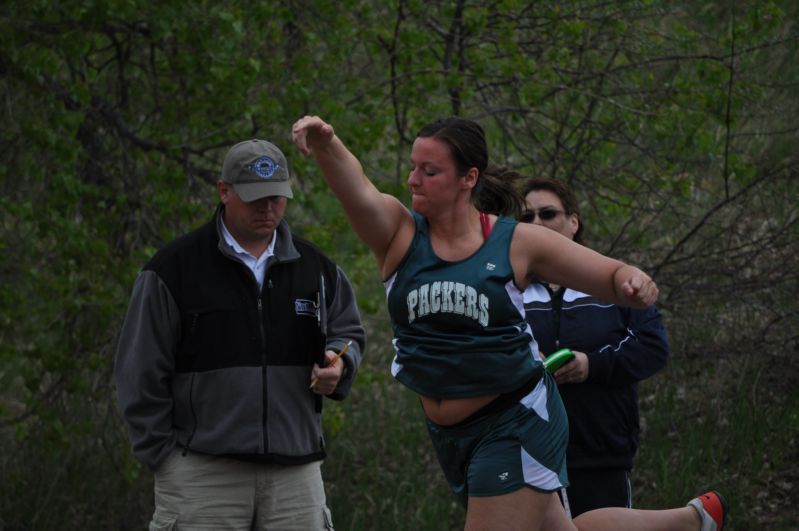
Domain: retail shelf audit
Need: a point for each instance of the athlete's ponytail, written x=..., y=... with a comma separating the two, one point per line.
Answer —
x=496, y=192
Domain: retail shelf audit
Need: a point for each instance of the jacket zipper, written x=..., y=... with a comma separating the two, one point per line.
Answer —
x=557, y=305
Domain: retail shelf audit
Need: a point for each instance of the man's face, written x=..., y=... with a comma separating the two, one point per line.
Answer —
x=251, y=223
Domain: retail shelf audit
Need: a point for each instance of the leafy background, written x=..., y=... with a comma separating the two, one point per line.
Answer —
x=675, y=122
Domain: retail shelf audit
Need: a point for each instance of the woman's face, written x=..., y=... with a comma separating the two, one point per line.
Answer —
x=549, y=212
x=433, y=181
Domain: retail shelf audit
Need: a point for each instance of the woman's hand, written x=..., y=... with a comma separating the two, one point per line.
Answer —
x=576, y=371
x=311, y=132
x=636, y=287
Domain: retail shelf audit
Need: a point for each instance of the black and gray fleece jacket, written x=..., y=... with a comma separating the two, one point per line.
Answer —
x=208, y=361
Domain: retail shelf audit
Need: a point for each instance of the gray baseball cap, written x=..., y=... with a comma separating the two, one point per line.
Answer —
x=256, y=169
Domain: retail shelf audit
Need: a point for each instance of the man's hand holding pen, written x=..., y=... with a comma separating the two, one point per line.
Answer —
x=325, y=379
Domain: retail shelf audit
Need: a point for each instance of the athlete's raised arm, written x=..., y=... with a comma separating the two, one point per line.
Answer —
x=379, y=219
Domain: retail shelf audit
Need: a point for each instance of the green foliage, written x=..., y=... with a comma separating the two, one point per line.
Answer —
x=736, y=433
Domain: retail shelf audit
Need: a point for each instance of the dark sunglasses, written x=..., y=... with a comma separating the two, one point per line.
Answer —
x=545, y=214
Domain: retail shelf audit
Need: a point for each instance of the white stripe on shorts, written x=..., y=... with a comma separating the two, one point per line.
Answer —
x=537, y=400
x=537, y=475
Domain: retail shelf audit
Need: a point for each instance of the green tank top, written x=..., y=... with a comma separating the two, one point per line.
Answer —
x=459, y=327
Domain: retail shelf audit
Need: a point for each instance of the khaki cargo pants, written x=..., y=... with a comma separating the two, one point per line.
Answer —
x=198, y=491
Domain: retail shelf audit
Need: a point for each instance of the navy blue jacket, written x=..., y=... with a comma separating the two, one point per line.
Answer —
x=623, y=345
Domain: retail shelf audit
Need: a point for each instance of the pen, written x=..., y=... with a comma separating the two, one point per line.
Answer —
x=334, y=359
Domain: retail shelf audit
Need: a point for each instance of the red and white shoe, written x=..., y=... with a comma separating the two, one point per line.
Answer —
x=712, y=508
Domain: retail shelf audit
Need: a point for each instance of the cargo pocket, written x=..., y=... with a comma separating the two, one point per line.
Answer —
x=164, y=522
x=327, y=518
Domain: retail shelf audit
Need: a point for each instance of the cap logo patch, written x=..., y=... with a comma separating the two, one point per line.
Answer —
x=264, y=167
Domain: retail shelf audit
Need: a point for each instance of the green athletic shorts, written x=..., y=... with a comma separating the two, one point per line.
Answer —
x=522, y=445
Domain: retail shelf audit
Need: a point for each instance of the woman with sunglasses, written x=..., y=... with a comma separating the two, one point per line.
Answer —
x=615, y=347
x=454, y=276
